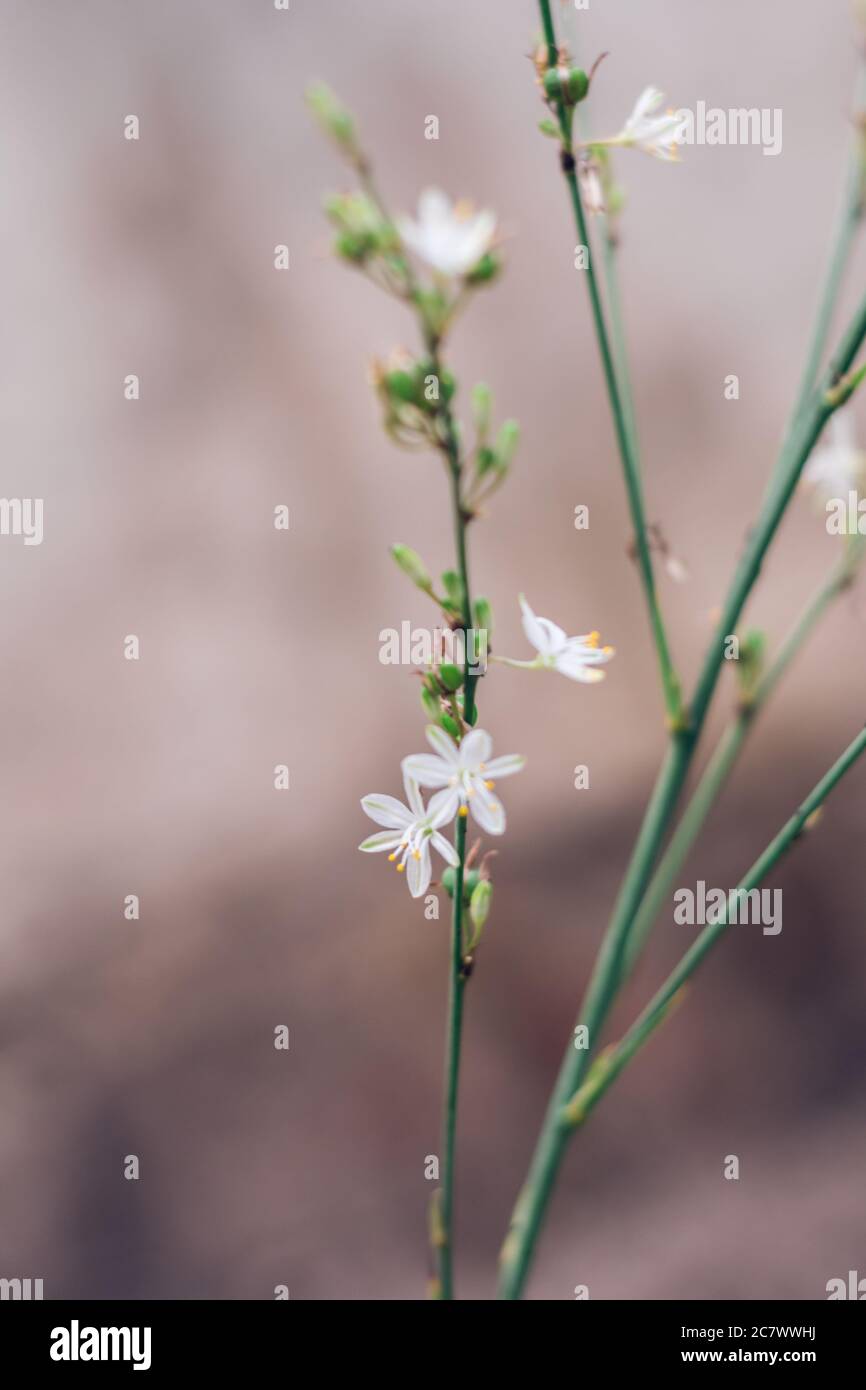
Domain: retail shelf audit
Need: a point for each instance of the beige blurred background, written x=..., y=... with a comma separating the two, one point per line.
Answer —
x=155, y=1037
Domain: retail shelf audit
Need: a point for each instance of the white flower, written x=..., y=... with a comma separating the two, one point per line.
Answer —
x=412, y=830
x=466, y=774
x=579, y=658
x=838, y=467
x=450, y=239
x=654, y=134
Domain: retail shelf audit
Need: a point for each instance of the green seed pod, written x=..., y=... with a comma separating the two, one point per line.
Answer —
x=566, y=85
x=479, y=906
x=451, y=676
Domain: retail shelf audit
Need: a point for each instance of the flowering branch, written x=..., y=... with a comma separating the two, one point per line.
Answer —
x=563, y=91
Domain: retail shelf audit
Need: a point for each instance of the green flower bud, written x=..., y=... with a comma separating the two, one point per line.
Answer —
x=568, y=86
x=449, y=725
x=432, y=708
x=451, y=676
x=506, y=443
x=482, y=401
x=479, y=908
x=333, y=117
x=453, y=587
x=483, y=614
x=412, y=565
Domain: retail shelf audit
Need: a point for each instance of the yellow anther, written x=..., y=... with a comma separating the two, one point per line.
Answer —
x=400, y=868
x=593, y=639
x=416, y=854
x=392, y=857
x=608, y=651
x=490, y=786
x=464, y=811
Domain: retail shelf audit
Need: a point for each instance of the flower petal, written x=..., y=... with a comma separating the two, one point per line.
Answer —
x=487, y=809
x=419, y=871
x=544, y=635
x=427, y=770
x=577, y=669
x=442, y=743
x=443, y=807
x=383, y=839
x=506, y=766
x=387, y=810
x=476, y=748
x=413, y=796
x=446, y=849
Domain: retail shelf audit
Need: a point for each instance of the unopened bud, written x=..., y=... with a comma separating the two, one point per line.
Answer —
x=412, y=565
x=568, y=85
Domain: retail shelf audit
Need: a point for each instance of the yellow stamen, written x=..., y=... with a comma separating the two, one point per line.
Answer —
x=392, y=857
x=593, y=639
x=464, y=811
x=608, y=651
x=416, y=854
x=400, y=868
x=490, y=786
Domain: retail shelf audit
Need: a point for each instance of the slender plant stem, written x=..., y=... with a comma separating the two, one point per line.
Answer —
x=457, y=978
x=611, y=1062
x=727, y=752
x=624, y=437
x=848, y=223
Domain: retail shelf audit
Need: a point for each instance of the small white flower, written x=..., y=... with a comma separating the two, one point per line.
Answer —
x=466, y=774
x=654, y=134
x=579, y=658
x=412, y=830
x=451, y=239
x=838, y=467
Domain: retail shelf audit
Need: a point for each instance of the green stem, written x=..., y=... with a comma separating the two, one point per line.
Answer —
x=726, y=753
x=624, y=436
x=847, y=226
x=609, y=1064
x=457, y=978
x=456, y=986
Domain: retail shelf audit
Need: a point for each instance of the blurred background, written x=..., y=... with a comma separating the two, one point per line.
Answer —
x=258, y=647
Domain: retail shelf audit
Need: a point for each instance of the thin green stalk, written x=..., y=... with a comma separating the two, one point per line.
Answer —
x=612, y=1062
x=727, y=752
x=847, y=226
x=624, y=438
x=457, y=978
x=456, y=987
